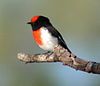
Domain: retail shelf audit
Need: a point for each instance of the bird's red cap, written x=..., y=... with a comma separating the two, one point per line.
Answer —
x=34, y=19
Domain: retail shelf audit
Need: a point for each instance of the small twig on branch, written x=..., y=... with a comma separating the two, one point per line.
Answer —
x=62, y=55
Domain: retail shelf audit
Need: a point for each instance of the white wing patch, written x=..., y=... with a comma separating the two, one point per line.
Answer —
x=47, y=39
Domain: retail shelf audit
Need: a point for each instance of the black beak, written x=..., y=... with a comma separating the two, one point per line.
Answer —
x=29, y=22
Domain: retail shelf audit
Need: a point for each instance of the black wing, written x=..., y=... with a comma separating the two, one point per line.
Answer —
x=58, y=35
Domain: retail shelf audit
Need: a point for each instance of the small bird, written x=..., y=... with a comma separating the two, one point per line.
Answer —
x=45, y=35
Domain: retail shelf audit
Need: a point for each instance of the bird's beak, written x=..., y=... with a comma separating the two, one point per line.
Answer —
x=29, y=22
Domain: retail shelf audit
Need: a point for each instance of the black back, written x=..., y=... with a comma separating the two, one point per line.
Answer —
x=55, y=33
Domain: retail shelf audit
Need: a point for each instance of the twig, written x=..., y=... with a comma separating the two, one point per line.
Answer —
x=62, y=55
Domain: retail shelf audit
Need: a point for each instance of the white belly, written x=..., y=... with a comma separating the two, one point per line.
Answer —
x=48, y=41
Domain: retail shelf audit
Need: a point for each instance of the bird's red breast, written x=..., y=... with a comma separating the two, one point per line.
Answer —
x=37, y=36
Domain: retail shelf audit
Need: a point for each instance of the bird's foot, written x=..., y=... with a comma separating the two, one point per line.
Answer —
x=48, y=52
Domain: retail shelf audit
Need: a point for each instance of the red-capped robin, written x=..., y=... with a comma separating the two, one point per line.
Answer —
x=45, y=35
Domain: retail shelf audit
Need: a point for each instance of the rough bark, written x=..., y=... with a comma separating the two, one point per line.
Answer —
x=60, y=54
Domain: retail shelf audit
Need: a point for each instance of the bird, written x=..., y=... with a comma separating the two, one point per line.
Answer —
x=45, y=34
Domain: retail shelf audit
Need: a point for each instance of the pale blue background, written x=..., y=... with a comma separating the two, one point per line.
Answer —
x=77, y=20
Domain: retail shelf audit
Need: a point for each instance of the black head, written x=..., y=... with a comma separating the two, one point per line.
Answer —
x=39, y=21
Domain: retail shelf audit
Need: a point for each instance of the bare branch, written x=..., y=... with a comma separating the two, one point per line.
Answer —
x=62, y=55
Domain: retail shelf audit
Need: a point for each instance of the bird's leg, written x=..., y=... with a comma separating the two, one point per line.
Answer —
x=48, y=52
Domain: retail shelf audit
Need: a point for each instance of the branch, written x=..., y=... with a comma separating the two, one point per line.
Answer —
x=62, y=55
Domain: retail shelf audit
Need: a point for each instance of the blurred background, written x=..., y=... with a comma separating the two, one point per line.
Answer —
x=77, y=20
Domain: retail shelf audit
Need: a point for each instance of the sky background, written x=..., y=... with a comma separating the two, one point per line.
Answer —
x=77, y=20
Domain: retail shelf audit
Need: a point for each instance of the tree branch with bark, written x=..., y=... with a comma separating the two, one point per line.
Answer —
x=60, y=54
